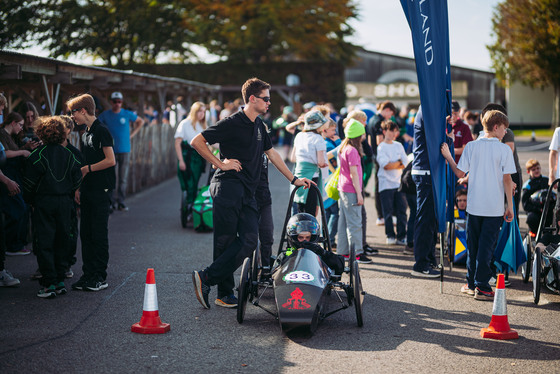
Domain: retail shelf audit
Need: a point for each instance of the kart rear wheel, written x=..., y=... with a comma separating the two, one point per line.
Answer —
x=243, y=289
x=526, y=267
x=184, y=211
x=351, y=261
x=358, y=294
x=451, y=245
x=537, y=274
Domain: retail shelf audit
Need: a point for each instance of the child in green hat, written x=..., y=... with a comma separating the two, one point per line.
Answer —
x=350, y=184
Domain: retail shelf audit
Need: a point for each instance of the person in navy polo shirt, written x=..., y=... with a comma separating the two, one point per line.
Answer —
x=425, y=225
x=243, y=139
x=118, y=122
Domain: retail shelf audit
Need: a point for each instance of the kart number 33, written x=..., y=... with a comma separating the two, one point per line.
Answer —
x=298, y=276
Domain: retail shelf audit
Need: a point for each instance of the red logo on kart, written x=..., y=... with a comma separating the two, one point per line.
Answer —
x=296, y=301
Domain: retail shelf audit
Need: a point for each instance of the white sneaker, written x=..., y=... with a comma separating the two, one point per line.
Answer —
x=7, y=279
x=391, y=241
x=380, y=222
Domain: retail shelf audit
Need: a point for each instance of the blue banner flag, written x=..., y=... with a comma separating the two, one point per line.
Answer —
x=428, y=23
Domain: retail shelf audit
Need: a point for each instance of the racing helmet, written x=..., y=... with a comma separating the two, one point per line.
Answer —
x=302, y=222
x=539, y=197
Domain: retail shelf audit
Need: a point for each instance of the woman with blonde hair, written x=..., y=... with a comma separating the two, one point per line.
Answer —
x=190, y=164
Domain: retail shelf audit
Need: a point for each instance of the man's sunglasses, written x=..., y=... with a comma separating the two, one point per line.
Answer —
x=74, y=111
x=266, y=99
x=117, y=101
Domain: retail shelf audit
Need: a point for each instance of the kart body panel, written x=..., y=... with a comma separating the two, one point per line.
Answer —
x=300, y=286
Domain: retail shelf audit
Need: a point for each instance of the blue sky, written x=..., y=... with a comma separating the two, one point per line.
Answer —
x=382, y=27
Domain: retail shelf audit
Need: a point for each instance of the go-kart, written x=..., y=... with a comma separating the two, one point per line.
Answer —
x=543, y=263
x=302, y=284
x=529, y=241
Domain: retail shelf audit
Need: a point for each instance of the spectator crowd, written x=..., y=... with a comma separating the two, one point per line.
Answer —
x=53, y=192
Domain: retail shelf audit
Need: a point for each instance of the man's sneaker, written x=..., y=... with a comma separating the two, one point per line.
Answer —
x=37, y=275
x=467, y=290
x=370, y=250
x=21, y=252
x=430, y=273
x=401, y=241
x=60, y=288
x=122, y=207
x=95, y=285
x=80, y=284
x=483, y=295
x=363, y=259
x=380, y=222
x=201, y=289
x=227, y=301
x=408, y=250
x=391, y=241
x=7, y=279
x=69, y=273
x=47, y=292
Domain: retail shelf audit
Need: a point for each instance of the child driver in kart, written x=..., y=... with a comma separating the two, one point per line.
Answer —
x=303, y=232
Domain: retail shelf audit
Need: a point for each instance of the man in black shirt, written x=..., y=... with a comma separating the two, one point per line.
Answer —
x=99, y=178
x=243, y=139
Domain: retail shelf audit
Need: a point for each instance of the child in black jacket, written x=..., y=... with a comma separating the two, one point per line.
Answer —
x=50, y=179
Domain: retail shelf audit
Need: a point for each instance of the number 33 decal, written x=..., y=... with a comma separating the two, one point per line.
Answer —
x=298, y=276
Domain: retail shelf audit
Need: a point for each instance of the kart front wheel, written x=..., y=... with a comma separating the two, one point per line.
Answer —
x=358, y=293
x=537, y=274
x=243, y=289
x=526, y=267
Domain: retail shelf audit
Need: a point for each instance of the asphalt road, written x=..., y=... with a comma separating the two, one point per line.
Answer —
x=409, y=326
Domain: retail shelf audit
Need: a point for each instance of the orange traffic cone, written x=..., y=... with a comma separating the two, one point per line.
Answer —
x=150, y=323
x=499, y=325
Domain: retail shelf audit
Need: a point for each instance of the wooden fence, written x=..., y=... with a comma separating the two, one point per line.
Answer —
x=152, y=157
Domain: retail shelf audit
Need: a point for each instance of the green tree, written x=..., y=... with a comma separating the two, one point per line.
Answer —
x=123, y=32
x=527, y=45
x=120, y=32
x=275, y=30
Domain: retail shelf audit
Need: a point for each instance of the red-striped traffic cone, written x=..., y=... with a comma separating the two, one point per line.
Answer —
x=150, y=323
x=499, y=325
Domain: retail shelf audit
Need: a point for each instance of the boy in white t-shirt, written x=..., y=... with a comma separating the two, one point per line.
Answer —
x=490, y=165
x=392, y=158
